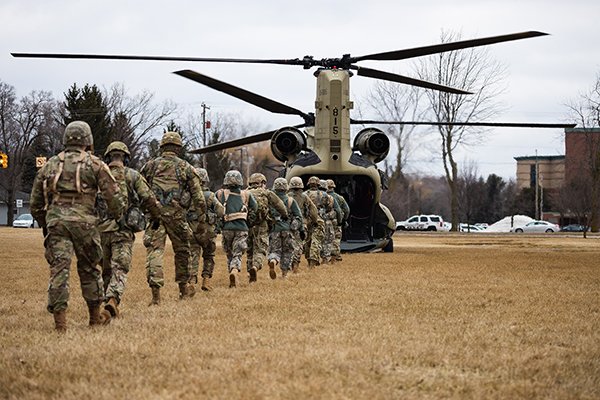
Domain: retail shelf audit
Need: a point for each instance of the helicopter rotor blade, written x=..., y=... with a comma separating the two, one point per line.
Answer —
x=482, y=124
x=373, y=73
x=242, y=94
x=259, y=137
x=440, y=48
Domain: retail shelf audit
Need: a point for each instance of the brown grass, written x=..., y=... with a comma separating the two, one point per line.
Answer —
x=445, y=316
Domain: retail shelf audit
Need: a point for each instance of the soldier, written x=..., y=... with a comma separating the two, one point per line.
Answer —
x=240, y=206
x=315, y=244
x=258, y=235
x=170, y=178
x=205, y=235
x=336, y=254
x=281, y=239
x=310, y=221
x=331, y=218
x=62, y=201
x=118, y=235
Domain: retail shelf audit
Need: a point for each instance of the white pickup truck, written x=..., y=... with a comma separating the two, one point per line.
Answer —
x=422, y=223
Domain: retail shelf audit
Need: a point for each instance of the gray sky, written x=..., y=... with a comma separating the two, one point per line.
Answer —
x=543, y=73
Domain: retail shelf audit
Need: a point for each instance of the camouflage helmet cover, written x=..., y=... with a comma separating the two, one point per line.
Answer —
x=117, y=146
x=330, y=184
x=203, y=175
x=233, y=178
x=171, y=138
x=280, y=184
x=313, y=181
x=257, y=178
x=296, y=183
x=78, y=133
x=323, y=184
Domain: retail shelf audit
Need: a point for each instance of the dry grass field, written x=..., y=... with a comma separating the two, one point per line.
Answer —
x=445, y=316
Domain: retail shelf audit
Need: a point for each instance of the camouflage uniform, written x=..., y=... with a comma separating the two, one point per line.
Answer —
x=316, y=245
x=310, y=219
x=331, y=218
x=117, y=235
x=204, y=231
x=336, y=249
x=170, y=177
x=281, y=239
x=240, y=206
x=62, y=201
x=258, y=235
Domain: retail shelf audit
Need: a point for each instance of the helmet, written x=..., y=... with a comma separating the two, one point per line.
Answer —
x=330, y=184
x=78, y=133
x=313, y=181
x=233, y=178
x=296, y=183
x=171, y=138
x=323, y=184
x=203, y=175
x=117, y=146
x=257, y=179
x=280, y=184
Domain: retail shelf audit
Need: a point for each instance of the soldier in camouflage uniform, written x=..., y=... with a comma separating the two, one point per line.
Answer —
x=170, y=178
x=336, y=254
x=62, y=201
x=281, y=239
x=240, y=206
x=205, y=235
x=315, y=248
x=310, y=221
x=118, y=235
x=258, y=235
x=331, y=218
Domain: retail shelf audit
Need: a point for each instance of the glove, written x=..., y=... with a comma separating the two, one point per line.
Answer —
x=155, y=224
x=302, y=235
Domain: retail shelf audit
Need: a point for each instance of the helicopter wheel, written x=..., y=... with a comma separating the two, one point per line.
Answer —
x=389, y=247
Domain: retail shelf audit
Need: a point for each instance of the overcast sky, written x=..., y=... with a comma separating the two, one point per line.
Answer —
x=543, y=73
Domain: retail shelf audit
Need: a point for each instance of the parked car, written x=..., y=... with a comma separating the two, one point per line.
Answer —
x=537, y=226
x=24, y=221
x=421, y=223
x=482, y=225
x=574, y=228
x=470, y=228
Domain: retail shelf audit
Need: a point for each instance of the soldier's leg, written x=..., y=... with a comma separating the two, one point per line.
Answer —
x=326, y=248
x=180, y=234
x=335, y=244
x=209, y=247
x=227, y=243
x=338, y=243
x=261, y=246
x=88, y=248
x=106, y=240
x=251, y=246
x=239, y=246
x=59, y=251
x=316, y=245
x=122, y=251
x=287, y=251
x=195, y=253
x=275, y=247
x=154, y=241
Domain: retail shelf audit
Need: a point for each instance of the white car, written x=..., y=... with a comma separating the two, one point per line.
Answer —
x=24, y=221
x=537, y=226
x=470, y=228
x=421, y=223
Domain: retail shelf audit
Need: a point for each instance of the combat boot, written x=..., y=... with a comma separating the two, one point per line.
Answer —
x=332, y=260
x=112, y=307
x=186, y=291
x=98, y=317
x=295, y=267
x=155, y=296
x=233, y=278
x=272, y=272
x=312, y=264
x=206, y=284
x=252, y=275
x=60, y=321
x=284, y=273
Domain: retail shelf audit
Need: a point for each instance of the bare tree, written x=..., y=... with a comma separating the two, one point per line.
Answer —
x=472, y=70
x=585, y=111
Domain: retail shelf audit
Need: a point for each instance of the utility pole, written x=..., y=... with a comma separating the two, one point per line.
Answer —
x=537, y=185
x=204, y=108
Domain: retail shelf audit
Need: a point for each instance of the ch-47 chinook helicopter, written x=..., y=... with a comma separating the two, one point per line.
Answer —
x=322, y=145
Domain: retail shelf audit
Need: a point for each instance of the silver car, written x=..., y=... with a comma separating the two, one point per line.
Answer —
x=537, y=227
x=24, y=221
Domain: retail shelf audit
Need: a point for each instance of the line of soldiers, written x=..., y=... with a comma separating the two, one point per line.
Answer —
x=94, y=208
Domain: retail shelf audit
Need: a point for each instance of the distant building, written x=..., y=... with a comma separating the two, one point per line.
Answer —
x=551, y=171
x=580, y=145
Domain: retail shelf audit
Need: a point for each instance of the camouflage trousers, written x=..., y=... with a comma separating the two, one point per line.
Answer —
x=204, y=244
x=314, y=242
x=298, y=247
x=65, y=238
x=337, y=241
x=328, y=238
x=176, y=227
x=258, y=245
x=235, y=244
x=281, y=248
x=117, y=249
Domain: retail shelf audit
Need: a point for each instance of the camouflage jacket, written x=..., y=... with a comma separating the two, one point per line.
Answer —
x=238, y=205
x=309, y=211
x=292, y=220
x=266, y=200
x=170, y=178
x=65, y=189
x=136, y=192
x=342, y=204
x=214, y=210
x=325, y=203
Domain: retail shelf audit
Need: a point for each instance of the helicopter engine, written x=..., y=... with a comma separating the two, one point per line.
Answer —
x=372, y=144
x=287, y=143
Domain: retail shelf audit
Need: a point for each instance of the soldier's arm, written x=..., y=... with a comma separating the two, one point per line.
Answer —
x=107, y=185
x=338, y=211
x=216, y=205
x=198, y=201
x=313, y=213
x=146, y=196
x=277, y=204
x=345, y=207
x=297, y=214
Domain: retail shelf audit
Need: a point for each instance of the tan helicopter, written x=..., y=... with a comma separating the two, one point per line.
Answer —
x=322, y=145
